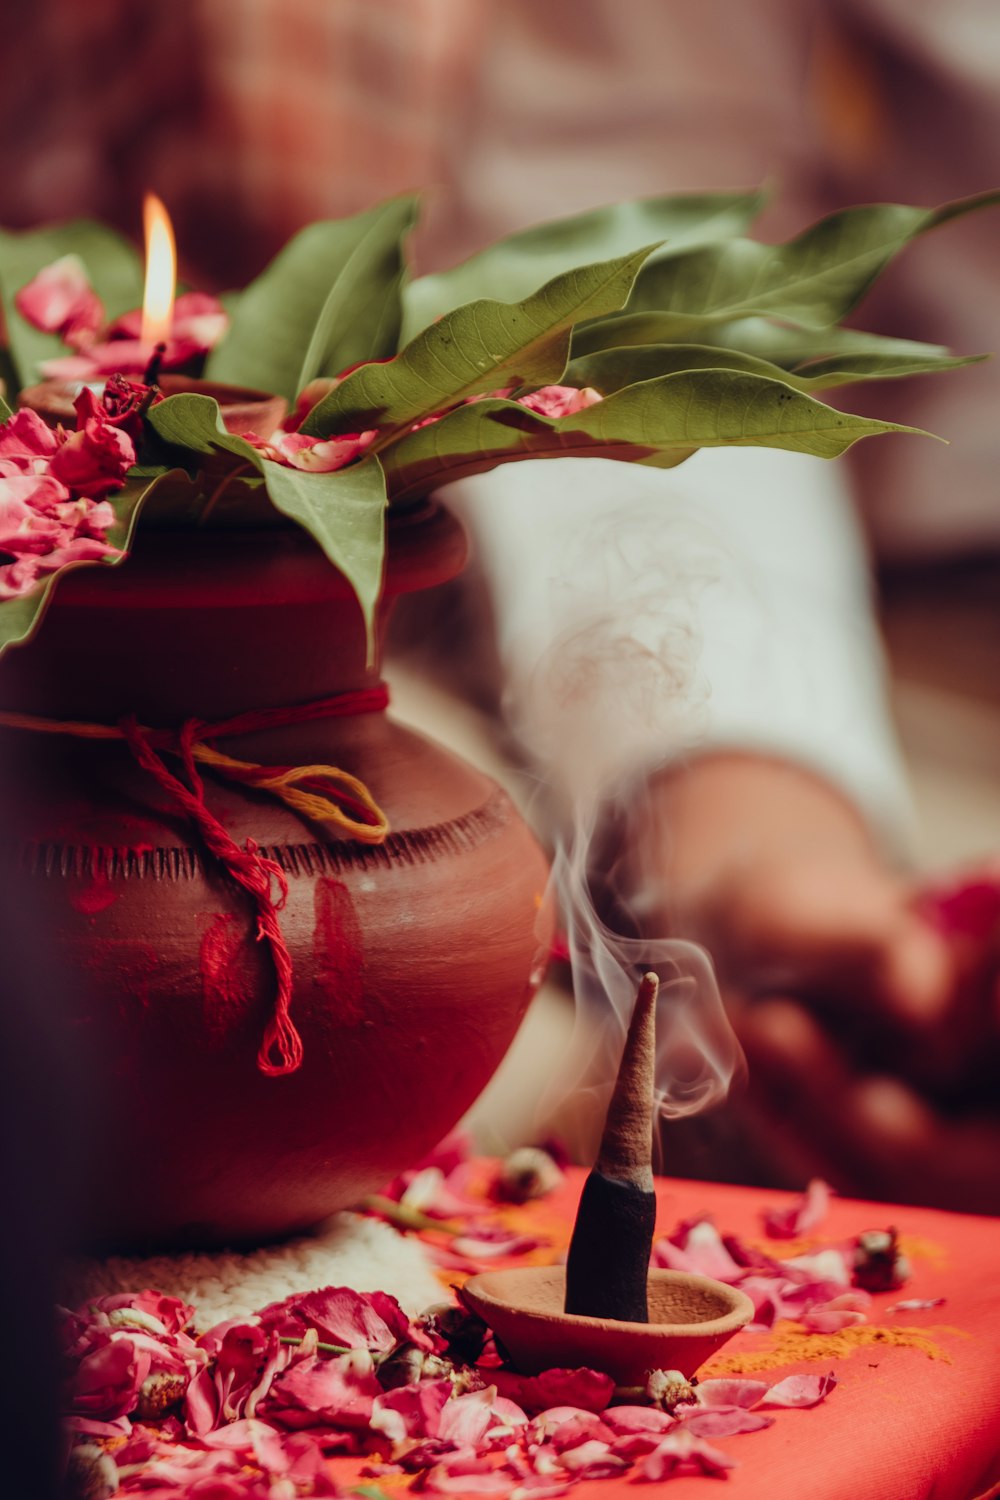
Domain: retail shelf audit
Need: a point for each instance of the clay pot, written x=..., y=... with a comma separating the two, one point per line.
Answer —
x=413, y=961
x=690, y=1317
x=243, y=409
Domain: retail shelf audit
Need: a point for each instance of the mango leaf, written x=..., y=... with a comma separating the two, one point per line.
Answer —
x=113, y=265
x=815, y=279
x=660, y=422
x=345, y=513
x=195, y=422
x=513, y=267
x=474, y=349
x=780, y=343
x=21, y=617
x=613, y=369
x=329, y=299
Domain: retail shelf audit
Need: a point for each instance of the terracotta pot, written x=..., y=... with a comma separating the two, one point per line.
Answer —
x=243, y=409
x=690, y=1317
x=414, y=961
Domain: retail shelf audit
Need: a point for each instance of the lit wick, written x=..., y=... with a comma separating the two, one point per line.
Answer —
x=608, y=1263
x=161, y=273
x=152, y=373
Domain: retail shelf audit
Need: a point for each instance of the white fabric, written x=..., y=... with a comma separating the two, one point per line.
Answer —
x=349, y=1250
x=644, y=616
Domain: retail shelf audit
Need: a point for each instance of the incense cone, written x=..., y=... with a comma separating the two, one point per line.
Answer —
x=608, y=1260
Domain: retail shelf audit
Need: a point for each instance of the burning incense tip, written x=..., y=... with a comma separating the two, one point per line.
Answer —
x=608, y=1260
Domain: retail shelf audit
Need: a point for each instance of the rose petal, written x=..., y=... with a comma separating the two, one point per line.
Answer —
x=638, y=1419
x=800, y=1390
x=800, y=1216
x=682, y=1452
x=730, y=1392
x=722, y=1421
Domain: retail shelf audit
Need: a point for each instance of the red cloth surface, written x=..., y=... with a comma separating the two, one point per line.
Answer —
x=900, y=1425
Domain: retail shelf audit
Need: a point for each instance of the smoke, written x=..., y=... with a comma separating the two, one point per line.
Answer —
x=615, y=689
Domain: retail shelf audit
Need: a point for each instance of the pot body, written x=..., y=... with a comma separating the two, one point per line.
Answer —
x=413, y=961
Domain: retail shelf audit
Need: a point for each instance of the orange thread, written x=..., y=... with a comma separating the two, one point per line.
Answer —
x=314, y=791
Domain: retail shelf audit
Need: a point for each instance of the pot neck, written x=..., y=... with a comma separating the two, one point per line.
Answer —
x=214, y=624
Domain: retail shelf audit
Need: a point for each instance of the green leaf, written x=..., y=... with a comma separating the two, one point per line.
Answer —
x=5, y=412
x=474, y=349
x=659, y=422
x=780, y=343
x=513, y=267
x=195, y=422
x=21, y=617
x=345, y=513
x=329, y=299
x=613, y=369
x=815, y=279
x=112, y=263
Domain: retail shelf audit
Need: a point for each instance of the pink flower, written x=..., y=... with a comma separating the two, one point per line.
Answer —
x=353, y=1320
x=108, y=1376
x=683, y=1453
x=313, y=455
x=696, y=1245
x=590, y=1390
x=802, y=1215
x=322, y=1392
x=125, y=402
x=26, y=444
x=61, y=300
x=96, y=457
x=244, y=1360
x=559, y=400
x=800, y=1390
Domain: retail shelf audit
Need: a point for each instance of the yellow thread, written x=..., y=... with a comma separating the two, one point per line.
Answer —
x=312, y=805
x=315, y=806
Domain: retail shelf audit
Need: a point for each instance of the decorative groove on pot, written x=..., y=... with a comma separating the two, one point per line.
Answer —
x=412, y=846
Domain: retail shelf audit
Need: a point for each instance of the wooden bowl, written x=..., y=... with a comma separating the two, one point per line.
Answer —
x=690, y=1318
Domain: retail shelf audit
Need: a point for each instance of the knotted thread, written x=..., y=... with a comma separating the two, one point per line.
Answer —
x=322, y=793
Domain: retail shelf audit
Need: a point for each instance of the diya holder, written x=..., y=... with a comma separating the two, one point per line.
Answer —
x=606, y=1309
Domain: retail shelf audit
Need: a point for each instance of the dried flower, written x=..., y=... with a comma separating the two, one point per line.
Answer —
x=669, y=1389
x=529, y=1172
x=879, y=1265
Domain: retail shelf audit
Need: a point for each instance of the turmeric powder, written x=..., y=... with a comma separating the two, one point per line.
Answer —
x=790, y=1342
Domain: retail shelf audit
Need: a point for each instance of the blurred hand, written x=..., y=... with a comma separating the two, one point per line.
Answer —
x=883, y=1023
x=815, y=1111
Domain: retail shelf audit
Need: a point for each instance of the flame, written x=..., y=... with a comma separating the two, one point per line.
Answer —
x=161, y=270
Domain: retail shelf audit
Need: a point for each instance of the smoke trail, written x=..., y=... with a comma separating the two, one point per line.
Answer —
x=613, y=690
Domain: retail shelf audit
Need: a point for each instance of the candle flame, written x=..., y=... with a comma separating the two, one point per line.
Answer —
x=161, y=270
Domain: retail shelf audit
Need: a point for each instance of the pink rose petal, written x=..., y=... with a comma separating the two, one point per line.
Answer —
x=730, y=1392
x=592, y=1459
x=682, y=1452
x=801, y=1216
x=588, y=1389
x=627, y=1420
x=800, y=1390
x=722, y=1421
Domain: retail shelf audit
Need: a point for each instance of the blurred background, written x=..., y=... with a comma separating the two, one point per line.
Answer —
x=250, y=118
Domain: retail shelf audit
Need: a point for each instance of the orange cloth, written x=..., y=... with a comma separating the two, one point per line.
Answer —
x=901, y=1425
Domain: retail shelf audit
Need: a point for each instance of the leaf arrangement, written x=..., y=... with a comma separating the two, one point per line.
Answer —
x=694, y=335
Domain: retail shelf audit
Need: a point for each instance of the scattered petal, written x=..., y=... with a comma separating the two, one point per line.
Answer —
x=801, y=1216
x=800, y=1390
x=682, y=1452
